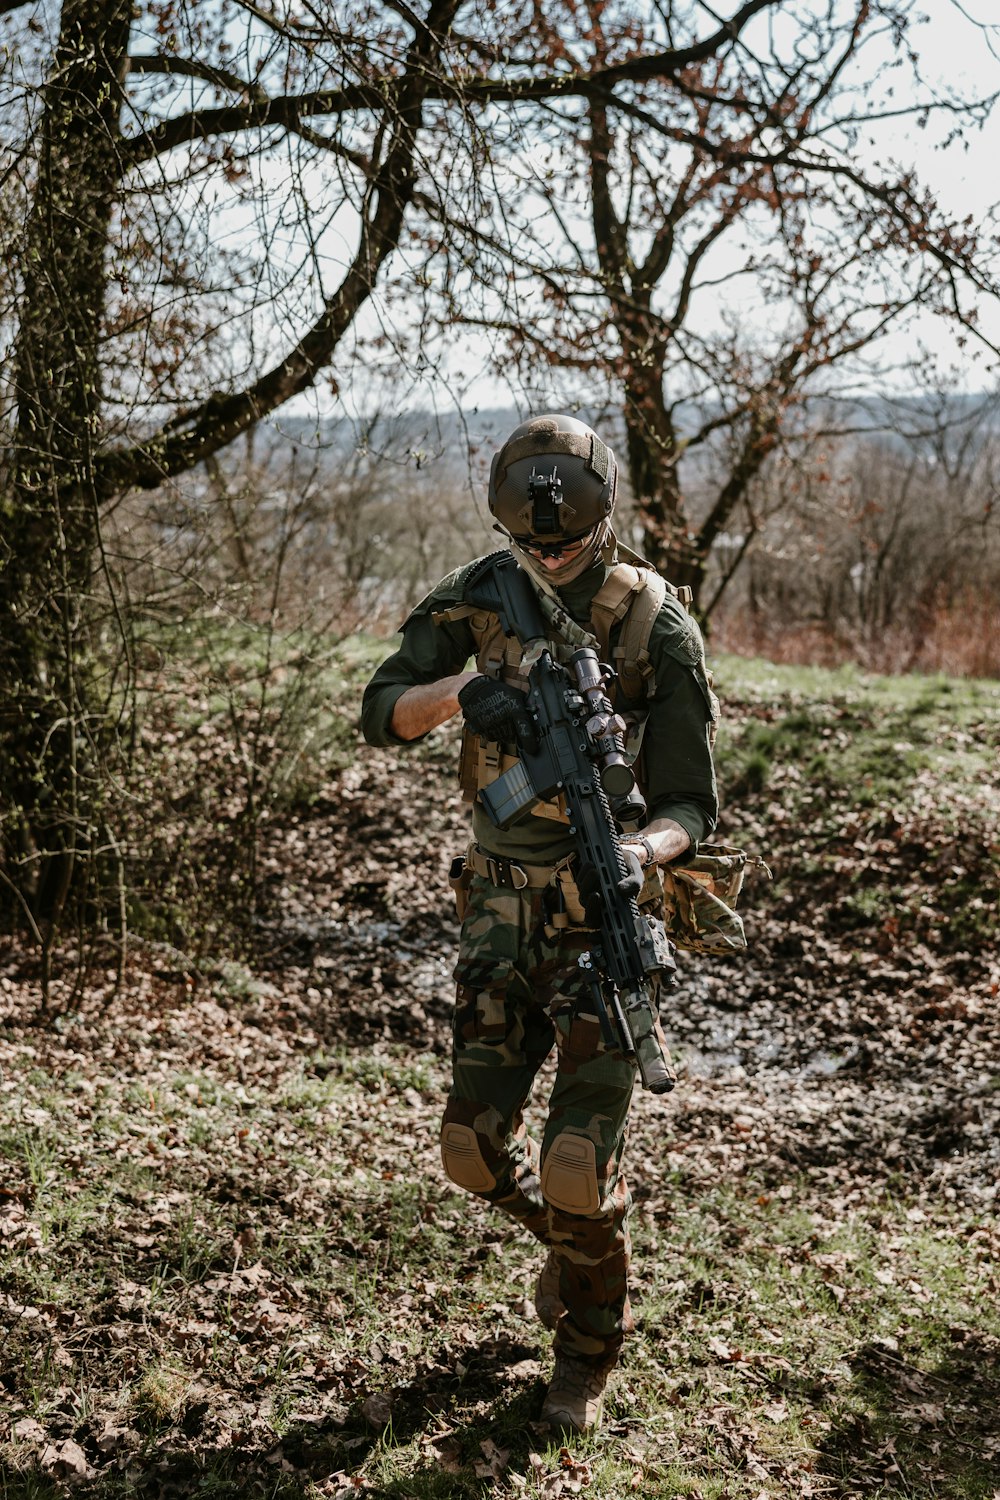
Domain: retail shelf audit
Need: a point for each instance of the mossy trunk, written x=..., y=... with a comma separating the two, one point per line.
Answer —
x=53, y=729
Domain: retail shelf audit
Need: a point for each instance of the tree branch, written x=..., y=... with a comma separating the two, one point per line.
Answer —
x=941, y=245
x=197, y=434
x=203, y=125
x=192, y=67
x=609, y=232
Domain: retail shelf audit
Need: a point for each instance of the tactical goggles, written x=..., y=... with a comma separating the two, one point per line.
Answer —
x=568, y=547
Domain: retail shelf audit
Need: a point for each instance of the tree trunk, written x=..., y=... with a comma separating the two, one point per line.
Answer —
x=651, y=446
x=670, y=543
x=51, y=722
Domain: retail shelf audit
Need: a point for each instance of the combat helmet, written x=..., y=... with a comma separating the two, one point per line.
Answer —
x=553, y=480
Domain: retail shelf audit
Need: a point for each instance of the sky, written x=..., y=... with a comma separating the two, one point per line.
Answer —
x=954, y=52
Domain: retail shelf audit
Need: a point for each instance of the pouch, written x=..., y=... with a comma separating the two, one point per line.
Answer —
x=700, y=899
x=460, y=879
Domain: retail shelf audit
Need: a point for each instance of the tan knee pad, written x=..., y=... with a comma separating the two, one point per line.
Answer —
x=463, y=1159
x=569, y=1175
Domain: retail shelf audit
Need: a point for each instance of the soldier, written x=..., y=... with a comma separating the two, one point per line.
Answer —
x=552, y=491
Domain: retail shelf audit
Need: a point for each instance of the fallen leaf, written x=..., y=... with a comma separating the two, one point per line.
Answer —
x=377, y=1410
x=493, y=1461
x=67, y=1459
x=447, y=1455
x=29, y=1430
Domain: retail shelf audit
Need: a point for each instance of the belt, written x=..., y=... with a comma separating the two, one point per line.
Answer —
x=509, y=873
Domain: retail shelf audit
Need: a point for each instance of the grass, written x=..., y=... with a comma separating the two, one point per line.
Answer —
x=230, y=1265
x=863, y=738
x=779, y=1345
x=893, y=782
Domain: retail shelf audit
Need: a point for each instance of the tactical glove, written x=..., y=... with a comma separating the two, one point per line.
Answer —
x=589, y=887
x=632, y=883
x=496, y=711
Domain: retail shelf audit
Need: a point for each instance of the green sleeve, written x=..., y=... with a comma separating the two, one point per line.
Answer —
x=679, y=772
x=428, y=652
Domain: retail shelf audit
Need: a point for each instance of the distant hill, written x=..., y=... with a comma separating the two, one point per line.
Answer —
x=448, y=440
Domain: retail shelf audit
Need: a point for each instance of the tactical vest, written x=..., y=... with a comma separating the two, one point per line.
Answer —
x=632, y=594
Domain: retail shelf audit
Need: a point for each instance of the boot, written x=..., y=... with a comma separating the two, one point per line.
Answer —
x=548, y=1304
x=573, y=1400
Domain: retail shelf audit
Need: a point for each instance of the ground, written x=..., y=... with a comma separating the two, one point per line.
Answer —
x=229, y=1261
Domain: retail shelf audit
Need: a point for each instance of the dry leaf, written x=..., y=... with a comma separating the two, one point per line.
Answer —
x=29, y=1431
x=493, y=1461
x=377, y=1410
x=67, y=1459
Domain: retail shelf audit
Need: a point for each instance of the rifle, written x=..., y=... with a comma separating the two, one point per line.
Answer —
x=575, y=746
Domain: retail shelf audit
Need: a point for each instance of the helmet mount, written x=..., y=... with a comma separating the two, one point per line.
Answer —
x=545, y=500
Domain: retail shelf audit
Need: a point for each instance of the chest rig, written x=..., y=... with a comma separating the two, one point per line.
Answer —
x=622, y=615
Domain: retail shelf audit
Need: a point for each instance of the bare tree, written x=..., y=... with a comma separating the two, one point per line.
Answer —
x=362, y=515
x=82, y=171
x=881, y=544
x=709, y=254
x=213, y=196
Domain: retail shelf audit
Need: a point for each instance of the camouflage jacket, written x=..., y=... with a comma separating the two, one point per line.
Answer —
x=679, y=777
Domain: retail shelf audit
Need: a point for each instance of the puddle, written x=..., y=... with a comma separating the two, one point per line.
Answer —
x=711, y=1039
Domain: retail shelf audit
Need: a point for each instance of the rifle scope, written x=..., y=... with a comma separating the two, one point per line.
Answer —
x=607, y=729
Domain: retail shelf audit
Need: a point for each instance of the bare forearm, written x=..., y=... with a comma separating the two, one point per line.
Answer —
x=666, y=838
x=422, y=708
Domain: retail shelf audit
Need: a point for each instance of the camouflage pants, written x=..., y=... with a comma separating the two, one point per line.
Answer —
x=519, y=993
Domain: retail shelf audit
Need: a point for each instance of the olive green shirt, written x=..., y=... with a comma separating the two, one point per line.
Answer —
x=679, y=779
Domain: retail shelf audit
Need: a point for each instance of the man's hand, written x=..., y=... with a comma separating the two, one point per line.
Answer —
x=632, y=883
x=496, y=711
x=588, y=885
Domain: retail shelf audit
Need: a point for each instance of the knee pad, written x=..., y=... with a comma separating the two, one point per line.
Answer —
x=462, y=1158
x=569, y=1176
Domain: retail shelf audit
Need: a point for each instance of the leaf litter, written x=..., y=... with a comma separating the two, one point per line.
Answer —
x=223, y=1214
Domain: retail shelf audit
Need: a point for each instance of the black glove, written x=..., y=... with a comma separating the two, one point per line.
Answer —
x=496, y=711
x=589, y=890
x=589, y=887
x=632, y=883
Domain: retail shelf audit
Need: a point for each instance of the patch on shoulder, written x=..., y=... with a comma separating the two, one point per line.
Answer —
x=683, y=638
